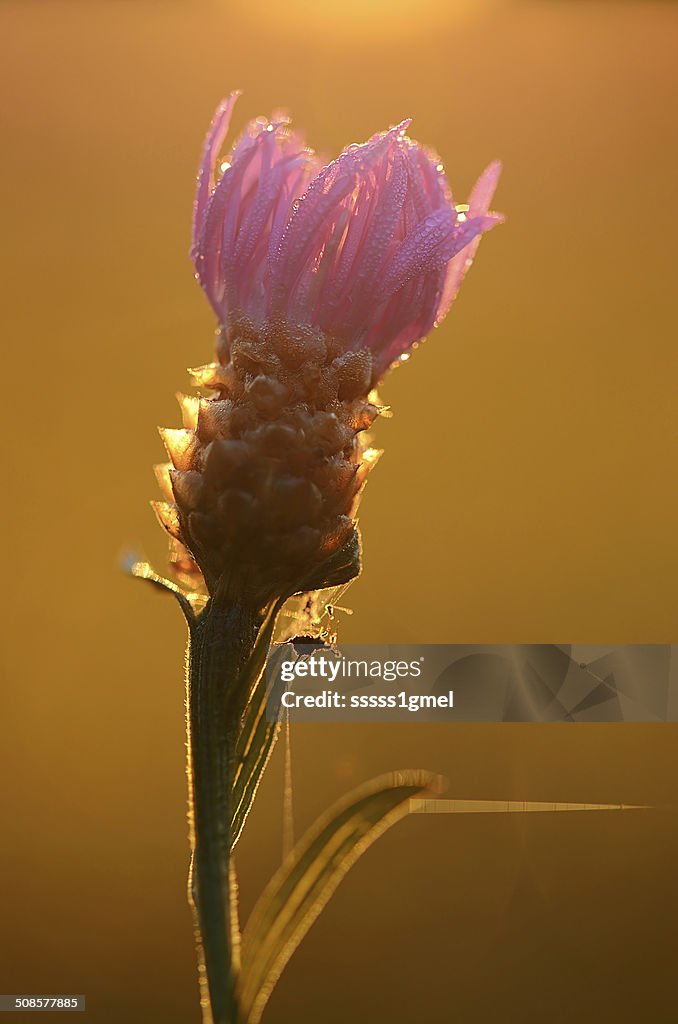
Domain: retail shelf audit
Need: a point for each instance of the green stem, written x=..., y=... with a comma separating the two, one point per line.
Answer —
x=221, y=642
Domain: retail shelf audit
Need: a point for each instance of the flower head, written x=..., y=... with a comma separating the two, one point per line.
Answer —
x=321, y=277
x=370, y=248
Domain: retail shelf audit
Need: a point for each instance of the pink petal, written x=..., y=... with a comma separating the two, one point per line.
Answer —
x=316, y=214
x=479, y=202
x=430, y=245
x=267, y=162
x=372, y=226
x=405, y=319
x=214, y=141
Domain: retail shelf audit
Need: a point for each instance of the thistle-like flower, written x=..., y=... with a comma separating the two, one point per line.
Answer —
x=321, y=277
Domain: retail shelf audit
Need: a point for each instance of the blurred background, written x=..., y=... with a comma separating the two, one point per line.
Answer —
x=528, y=493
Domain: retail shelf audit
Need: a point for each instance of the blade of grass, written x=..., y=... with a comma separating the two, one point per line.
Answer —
x=308, y=877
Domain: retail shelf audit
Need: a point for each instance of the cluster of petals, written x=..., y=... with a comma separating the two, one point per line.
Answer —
x=370, y=248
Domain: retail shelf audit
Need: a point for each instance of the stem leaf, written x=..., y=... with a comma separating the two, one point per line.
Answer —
x=254, y=748
x=310, y=874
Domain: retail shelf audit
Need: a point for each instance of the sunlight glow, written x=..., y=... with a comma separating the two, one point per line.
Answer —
x=382, y=18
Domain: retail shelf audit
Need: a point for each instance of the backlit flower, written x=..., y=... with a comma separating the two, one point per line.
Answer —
x=370, y=249
x=321, y=277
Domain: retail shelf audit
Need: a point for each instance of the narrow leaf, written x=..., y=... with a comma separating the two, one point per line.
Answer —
x=308, y=877
x=188, y=602
x=255, y=746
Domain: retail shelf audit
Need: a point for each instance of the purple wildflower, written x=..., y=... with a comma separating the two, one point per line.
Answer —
x=370, y=248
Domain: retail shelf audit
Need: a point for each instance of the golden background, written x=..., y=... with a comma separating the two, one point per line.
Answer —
x=528, y=493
